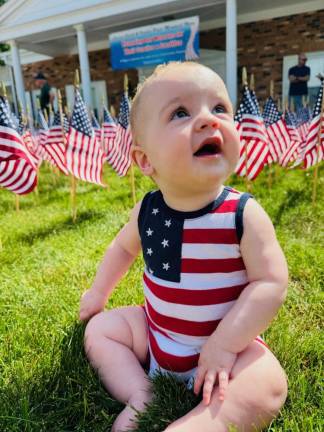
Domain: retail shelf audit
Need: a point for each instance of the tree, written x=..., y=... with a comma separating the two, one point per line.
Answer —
x=3, y=47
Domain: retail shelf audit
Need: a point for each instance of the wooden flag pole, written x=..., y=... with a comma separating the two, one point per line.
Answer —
x=17, y=203
x=271, y=90
x=318, y=147
x=132, y=175
x=50, y=114
x=66, y=111
x=112, y=111
x=45, y=116
x=252, y=86
x=3, y=89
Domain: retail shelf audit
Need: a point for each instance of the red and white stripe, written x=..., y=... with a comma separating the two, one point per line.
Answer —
x=314, y=148
x=109, y=133
x=17, y=169
x=18, y=176
x=55, y=147
x=119, y=156
x=303, y=130
x=99, y=133
x=253, y=156
x=292, y=152
x=30, y=143
x=182, y=315
x=278, y=138
x=254, y=150
x=84, y=157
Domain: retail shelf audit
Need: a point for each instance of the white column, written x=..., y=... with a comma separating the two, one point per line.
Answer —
x=84, y=64
x=231, y=50
x=20, y=88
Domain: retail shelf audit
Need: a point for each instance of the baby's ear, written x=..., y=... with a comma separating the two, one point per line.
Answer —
x=141, y=160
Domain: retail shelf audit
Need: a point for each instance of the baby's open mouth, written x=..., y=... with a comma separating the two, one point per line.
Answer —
x=208, y=148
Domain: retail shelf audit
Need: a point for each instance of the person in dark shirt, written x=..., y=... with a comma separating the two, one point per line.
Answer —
x=46, y=96
x=298, y=76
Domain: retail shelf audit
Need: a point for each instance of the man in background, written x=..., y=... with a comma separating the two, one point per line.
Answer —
x=47, y=95
x=298, y=76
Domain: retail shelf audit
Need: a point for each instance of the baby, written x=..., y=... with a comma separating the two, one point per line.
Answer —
x=214, y=274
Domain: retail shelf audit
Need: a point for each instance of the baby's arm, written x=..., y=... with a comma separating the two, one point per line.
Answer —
x=118, y=258
x=254, y=309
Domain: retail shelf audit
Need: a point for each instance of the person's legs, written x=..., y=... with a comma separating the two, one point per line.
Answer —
x=256, y=392
x=116, y=343
x=295, y=102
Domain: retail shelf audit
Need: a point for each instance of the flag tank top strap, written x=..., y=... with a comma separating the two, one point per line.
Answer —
x=239, y=214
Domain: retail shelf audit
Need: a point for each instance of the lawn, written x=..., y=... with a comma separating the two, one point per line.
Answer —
x=47, y=261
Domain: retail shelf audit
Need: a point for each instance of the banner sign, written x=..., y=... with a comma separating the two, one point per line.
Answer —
x=154, y=44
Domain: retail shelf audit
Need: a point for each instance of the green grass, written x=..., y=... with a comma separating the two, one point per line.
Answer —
x=47, y=261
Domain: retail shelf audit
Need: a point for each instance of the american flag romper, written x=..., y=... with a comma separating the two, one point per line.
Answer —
x=193, y=274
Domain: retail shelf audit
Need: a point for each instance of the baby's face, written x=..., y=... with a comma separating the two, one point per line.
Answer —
x=186, y=128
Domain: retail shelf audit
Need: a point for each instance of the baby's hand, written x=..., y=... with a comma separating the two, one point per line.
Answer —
x=214, y=363
x=92, y=302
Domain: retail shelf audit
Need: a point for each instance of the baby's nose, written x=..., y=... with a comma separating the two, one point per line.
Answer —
x=210, y=121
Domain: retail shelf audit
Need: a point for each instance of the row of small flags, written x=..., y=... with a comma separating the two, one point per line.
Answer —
x=79, y=146
x=289, y=139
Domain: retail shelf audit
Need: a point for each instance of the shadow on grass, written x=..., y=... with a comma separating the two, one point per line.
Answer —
x=60, y=227
x=293, y=199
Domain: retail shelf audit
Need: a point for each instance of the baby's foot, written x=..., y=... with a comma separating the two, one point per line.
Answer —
x=126, y=421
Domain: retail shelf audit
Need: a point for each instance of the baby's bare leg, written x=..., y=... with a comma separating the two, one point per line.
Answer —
x=253, y=398
x=116, y=343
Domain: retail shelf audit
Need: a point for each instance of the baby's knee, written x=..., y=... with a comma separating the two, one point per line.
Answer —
x=275, y=391
x=269, y=395
x=93, y=332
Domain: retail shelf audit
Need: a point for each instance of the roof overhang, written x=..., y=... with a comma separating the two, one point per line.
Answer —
x=47, y=28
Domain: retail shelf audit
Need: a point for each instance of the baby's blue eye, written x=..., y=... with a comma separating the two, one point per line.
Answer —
x=179, y=113
x=219, y=109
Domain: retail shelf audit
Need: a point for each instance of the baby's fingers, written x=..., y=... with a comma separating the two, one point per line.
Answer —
x=223, y=383
x=83, y=314
x=209, y=384
x=199, y=379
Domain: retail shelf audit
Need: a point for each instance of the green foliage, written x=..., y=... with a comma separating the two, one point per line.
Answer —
x=47, y=261
x=3, y=47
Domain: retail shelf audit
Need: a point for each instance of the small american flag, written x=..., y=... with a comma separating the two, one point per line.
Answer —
x=254, y=150
x=17, y=169
x=303, y=117
x=96, y=128
x=238, y=118
x=119, y=157
x=314, y=148
x=31, y=143
x=109, y=131
x=278, y=135
x=42, y=138
x=56, y=144
x=84, y=154
x=292, y=152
